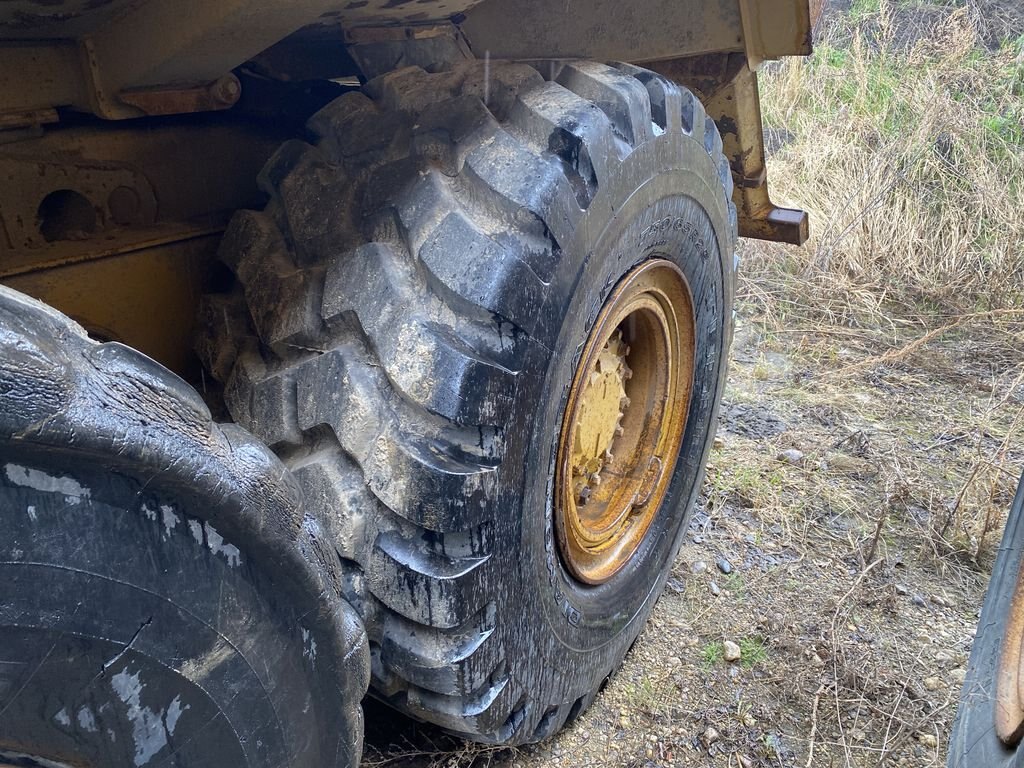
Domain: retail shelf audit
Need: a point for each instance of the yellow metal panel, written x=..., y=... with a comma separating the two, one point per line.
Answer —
x=39, y=76
x=640, y=30
x=146, y=299
x=776, y=28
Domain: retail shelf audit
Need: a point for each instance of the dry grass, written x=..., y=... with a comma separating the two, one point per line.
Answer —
x=906, y=145
x=904, y=139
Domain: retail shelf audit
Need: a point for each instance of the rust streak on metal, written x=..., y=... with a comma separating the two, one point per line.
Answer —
x=624, y=421
x=1009, y=702
x=220, y=94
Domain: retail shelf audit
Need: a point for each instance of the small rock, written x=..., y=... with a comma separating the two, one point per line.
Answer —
x=674, y=661
x=928, y=740
x=698, y=567
x=709, y=737
x=945, y=657
x=919, y=601
x=817, y=661
x=939, y=600
x=745, y=762
x=858, y=735
x=625, y=722
x=902, y=589
x=791, y=456
x=933, y=683
x=715, y=589
x=675, y=585
x=749, y=720
x=731, y=651
x=718, y=443
x=724, y=565
x=957, y=676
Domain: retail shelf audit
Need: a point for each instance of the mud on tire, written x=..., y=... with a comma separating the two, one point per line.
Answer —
x=164, y=596
x=410, y=308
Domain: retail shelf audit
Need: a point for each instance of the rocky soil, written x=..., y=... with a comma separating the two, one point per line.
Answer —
x=822, y=609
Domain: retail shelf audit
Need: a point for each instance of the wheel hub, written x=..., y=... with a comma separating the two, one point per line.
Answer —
x=602, y=405
x=624, y=421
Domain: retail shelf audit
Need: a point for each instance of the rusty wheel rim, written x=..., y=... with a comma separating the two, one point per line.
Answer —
x=624, y=421
x=1009, y=704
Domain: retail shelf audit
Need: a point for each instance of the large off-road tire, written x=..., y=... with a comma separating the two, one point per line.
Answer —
x=164, y=599
x=975, y=740
x=420, y=288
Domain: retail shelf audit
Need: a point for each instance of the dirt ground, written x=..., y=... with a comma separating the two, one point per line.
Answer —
x=840, y=544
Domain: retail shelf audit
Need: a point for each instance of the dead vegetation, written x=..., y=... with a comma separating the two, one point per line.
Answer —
x=906, y=145
x=872, y=433
x=904, y=137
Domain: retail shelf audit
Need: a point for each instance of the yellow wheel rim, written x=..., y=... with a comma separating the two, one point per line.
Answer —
x=624, y=421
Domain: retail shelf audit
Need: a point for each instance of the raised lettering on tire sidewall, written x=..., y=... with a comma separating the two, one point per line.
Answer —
x=656, y=222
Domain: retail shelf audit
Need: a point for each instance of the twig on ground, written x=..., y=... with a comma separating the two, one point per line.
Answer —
x=909, y=348
x=814, y=724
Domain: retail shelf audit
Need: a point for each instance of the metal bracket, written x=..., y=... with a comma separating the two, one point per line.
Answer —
x=220, y=94
x=377, y=50
x=109, y=194
x=728, y=89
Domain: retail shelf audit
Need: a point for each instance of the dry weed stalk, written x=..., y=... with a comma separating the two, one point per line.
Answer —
x=901, y=353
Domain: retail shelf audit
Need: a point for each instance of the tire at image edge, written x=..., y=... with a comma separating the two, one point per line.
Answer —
x=135, y=630
x=138, y=533
x=974, y=741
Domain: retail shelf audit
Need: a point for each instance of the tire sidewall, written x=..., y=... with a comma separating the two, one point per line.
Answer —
x=640, y=214
x=974, y=741
x=133, y=583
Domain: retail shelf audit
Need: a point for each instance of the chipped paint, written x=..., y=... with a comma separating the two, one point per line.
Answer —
x=150, y=513
x=62, y=718
x=32, y=513
x=174, y=711
x=170, y=519
x=37, y=480
x=308, y=645
x=86, y=720
x=216, y=544
x=197, y=530
x=150, y=728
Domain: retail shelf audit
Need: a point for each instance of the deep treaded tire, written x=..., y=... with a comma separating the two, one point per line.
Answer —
x=974, y=741
x=419, y=288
